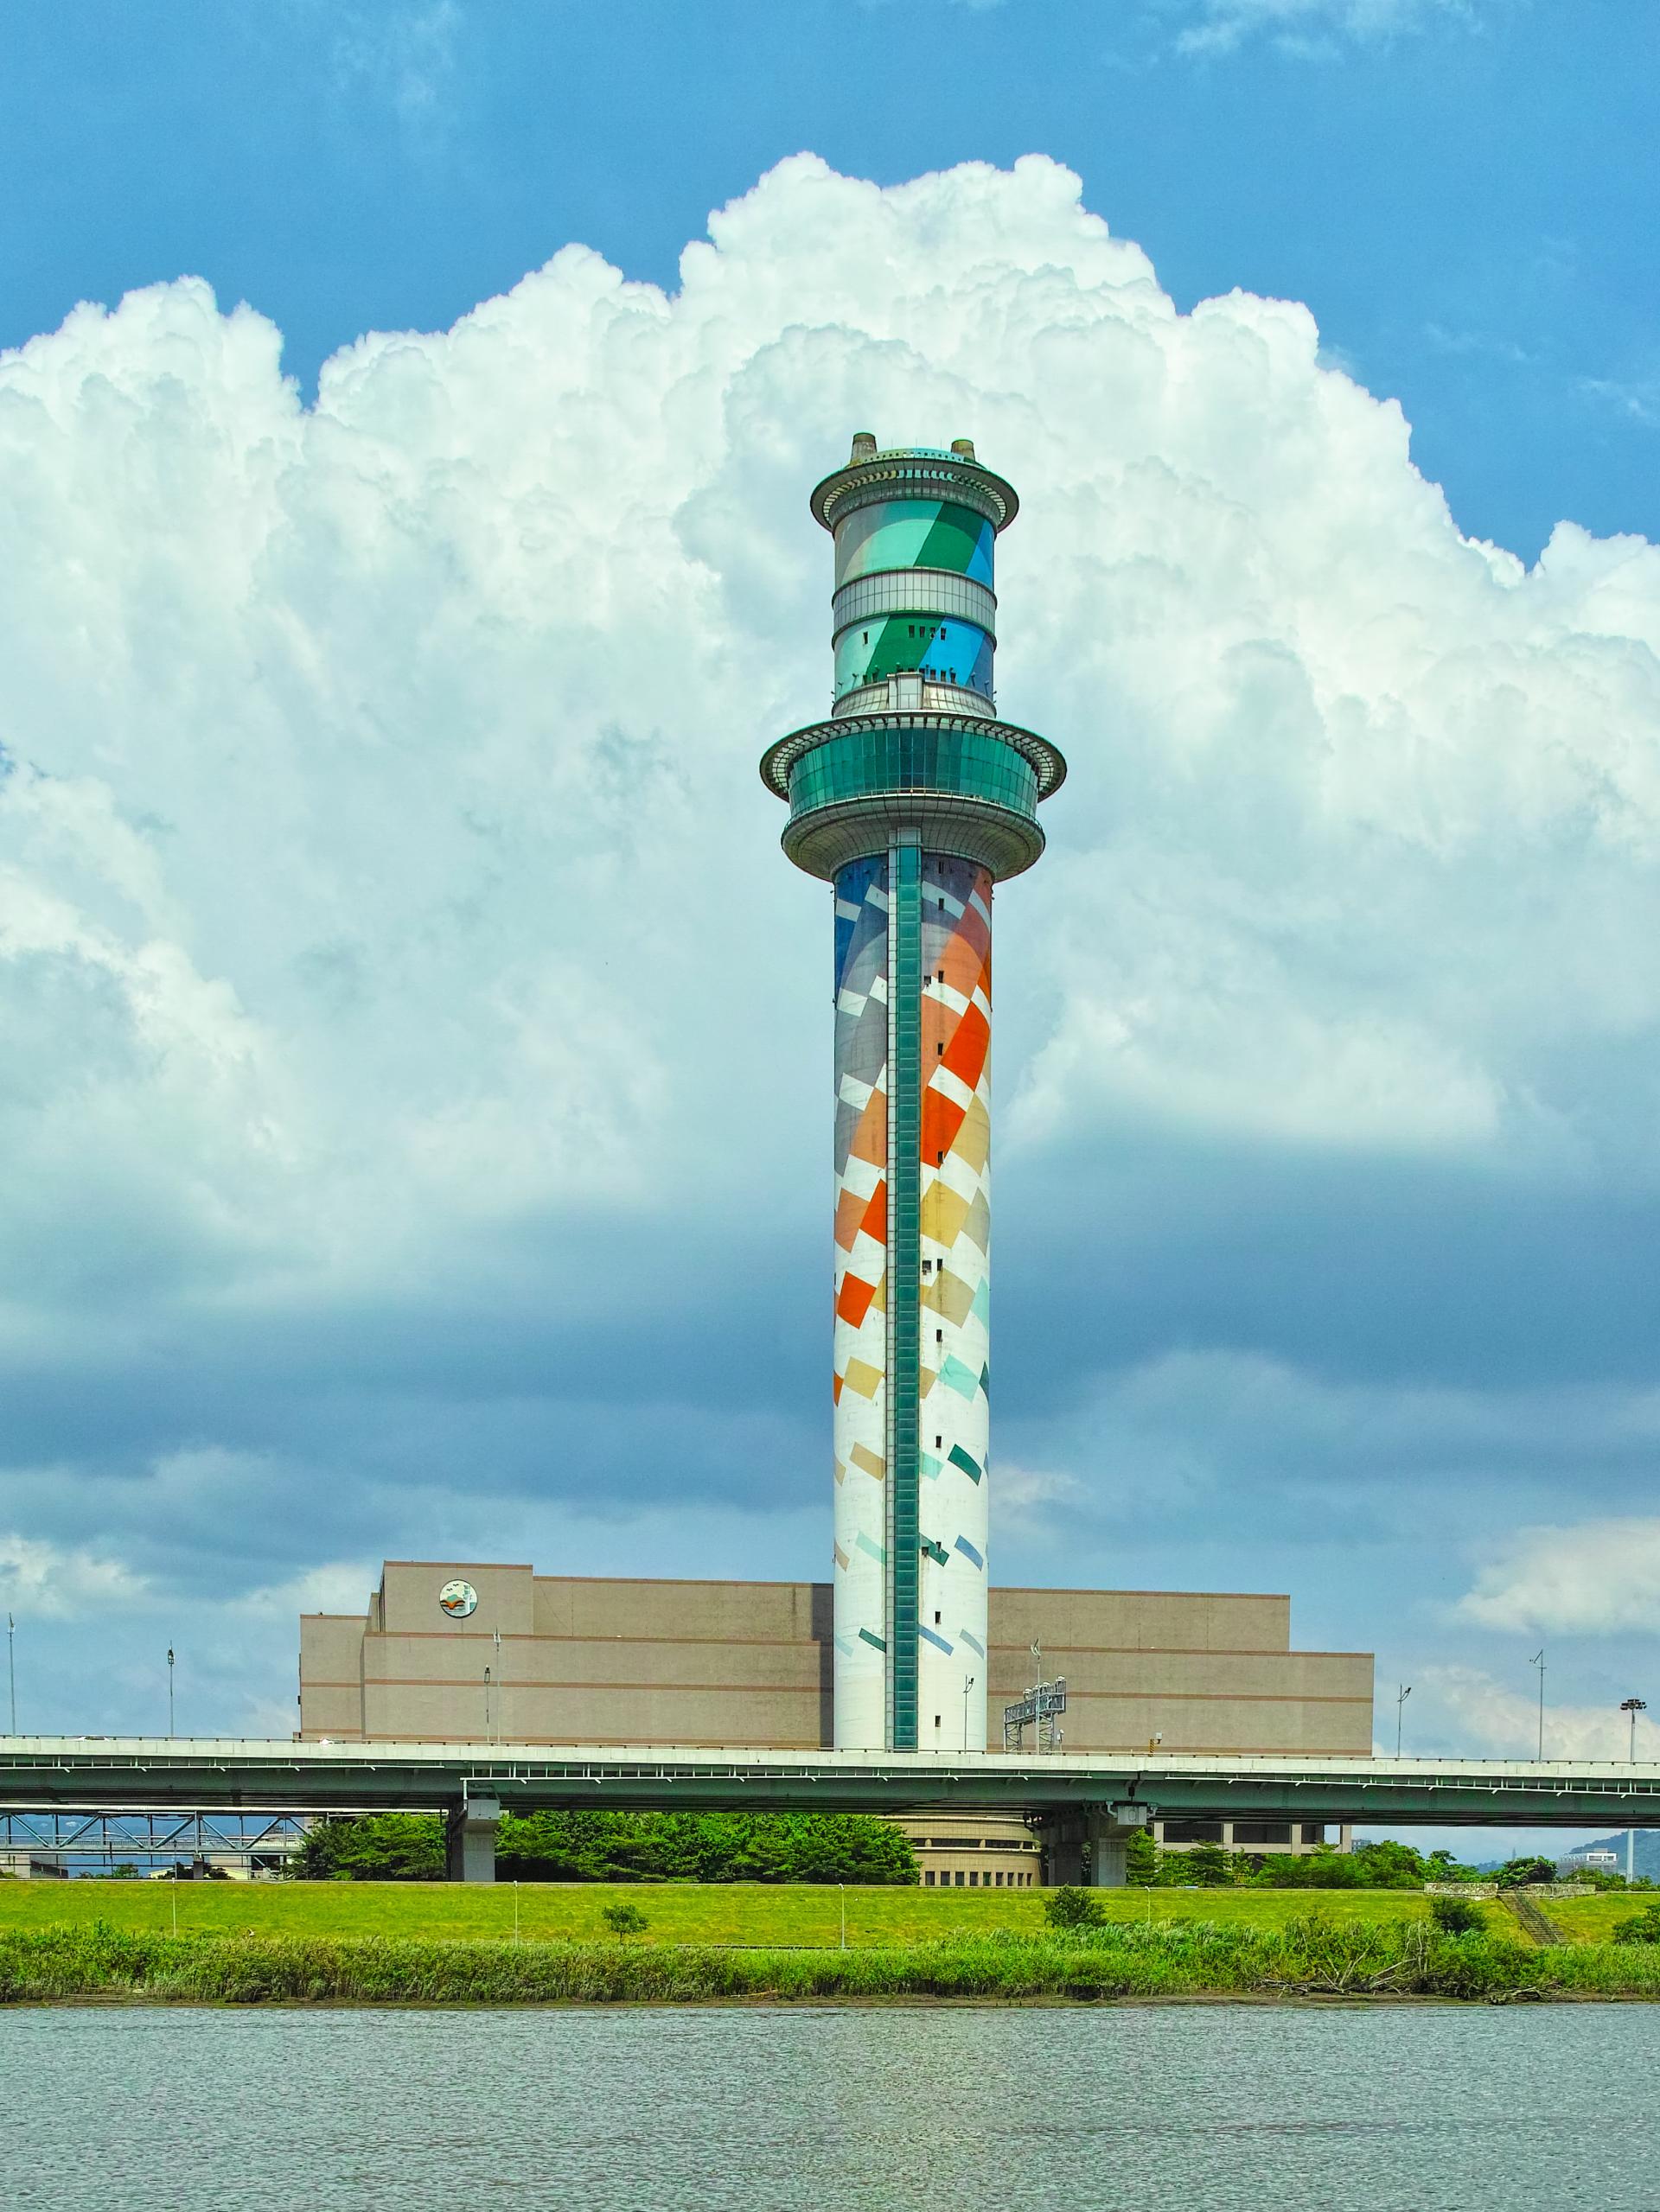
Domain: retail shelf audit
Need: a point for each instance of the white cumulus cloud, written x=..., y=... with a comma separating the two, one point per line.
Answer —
x=1593, y=1577
x=1465, y=1710
x=414, y=1058
x=48, y=1583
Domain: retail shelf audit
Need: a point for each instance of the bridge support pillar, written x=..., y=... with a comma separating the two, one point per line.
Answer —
x=469, y=1840
x=1107, y=1832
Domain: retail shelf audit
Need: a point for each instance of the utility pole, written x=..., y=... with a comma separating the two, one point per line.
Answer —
x=169, y=1711
x=1400, y=1697
x=1538, y=1661
x=1630, y=1708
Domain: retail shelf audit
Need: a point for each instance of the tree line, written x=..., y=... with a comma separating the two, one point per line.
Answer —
x=1381, y=1865
x=586, y=1846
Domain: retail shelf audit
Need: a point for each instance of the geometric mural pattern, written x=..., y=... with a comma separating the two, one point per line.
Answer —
x=956, y=1285
x=954, y=1281
x=860, y=1356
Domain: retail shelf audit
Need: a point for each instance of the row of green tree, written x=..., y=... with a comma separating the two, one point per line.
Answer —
x=1383, y=1866
x=621, y=1847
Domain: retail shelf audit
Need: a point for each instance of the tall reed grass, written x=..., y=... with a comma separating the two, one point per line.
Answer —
x=1309, y=1957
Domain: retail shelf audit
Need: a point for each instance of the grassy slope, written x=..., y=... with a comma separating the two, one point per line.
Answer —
x=677, y=1913
x=1592, y=1920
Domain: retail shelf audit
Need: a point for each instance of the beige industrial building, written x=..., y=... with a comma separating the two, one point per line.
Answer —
x=449, y=1651
x=559, y=1659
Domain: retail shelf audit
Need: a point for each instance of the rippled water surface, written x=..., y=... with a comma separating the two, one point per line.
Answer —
x=1244, y=2109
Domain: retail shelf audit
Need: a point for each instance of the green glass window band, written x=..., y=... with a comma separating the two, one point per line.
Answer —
x=904, y=1186
x=867, y=761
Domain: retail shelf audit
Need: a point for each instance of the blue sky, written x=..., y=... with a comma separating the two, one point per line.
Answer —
x=1464, y=193
x=422, y=1143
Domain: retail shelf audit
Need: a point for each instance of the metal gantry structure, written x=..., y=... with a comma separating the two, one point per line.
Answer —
x=93, y=1838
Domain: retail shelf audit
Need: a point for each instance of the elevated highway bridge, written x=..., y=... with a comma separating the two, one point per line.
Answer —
x=1093, y=1802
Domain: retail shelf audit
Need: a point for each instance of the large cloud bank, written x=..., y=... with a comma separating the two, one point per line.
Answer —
x=412, y=1124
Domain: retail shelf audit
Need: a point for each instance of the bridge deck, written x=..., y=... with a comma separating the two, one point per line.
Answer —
x=111, y=1773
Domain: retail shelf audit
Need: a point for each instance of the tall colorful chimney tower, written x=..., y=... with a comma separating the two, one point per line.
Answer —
x=913, y=799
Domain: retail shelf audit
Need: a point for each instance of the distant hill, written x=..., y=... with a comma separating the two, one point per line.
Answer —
x=1647, y=1850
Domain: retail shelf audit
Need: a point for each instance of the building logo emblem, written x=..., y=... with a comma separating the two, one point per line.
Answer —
x=458, y=1599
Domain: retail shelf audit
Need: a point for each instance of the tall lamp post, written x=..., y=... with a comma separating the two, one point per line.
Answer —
x=11, y=1666
x=967, y=1685
x=1630, y=1708
x=169, y=1690
x=1538, y=1661
x=1400, y=1697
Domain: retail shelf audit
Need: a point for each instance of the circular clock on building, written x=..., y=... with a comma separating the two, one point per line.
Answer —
x=458, y=1599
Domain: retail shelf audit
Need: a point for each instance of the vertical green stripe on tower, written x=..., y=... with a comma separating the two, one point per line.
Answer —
x=904, y=1306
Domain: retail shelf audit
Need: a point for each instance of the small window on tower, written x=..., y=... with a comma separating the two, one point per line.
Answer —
x=939, y=1443
x=936, y=1720
x=936, y=1620
x=939, y=1336
x=939, y=1049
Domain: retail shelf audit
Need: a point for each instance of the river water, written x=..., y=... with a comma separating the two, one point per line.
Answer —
x=1240, y=2108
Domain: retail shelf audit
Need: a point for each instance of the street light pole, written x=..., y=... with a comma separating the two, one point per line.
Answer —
x=1400, y=1697
x=169, y=1698
x=1630, y=1708
x=967, y=1685
x=1538, y=1661
x=11, y=1666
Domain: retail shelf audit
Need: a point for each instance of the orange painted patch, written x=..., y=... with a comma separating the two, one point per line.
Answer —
x=941, y=1119
x=855, y=1300
x=850, y=1211
x=962, y=964
x=966, y=1054
x=874, y=1220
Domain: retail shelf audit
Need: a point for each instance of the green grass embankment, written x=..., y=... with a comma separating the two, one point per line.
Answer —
x=1309, y=1957
x=677, y=1912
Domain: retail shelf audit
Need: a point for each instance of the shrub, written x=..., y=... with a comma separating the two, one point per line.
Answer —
x=1207, y=1865
x=1457, y=1916
x=1515, y=1871
x=1141, y=1857
x=1641, y=1927
x=624, y=1919
x=1069, y=1907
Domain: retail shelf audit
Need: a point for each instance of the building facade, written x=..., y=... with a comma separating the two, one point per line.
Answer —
x=913, y=799
x=449, y=1651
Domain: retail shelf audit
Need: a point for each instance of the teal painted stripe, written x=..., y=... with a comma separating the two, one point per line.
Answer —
x=969, y=1465
x=905, y=1289
x=958, y=1377
x=865, y=1636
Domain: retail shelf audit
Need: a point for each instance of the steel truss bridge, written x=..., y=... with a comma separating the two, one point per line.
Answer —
x=253, y=1790
x=104, y=1839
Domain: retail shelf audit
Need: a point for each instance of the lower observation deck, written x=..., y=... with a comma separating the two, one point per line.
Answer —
x=967, y=784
